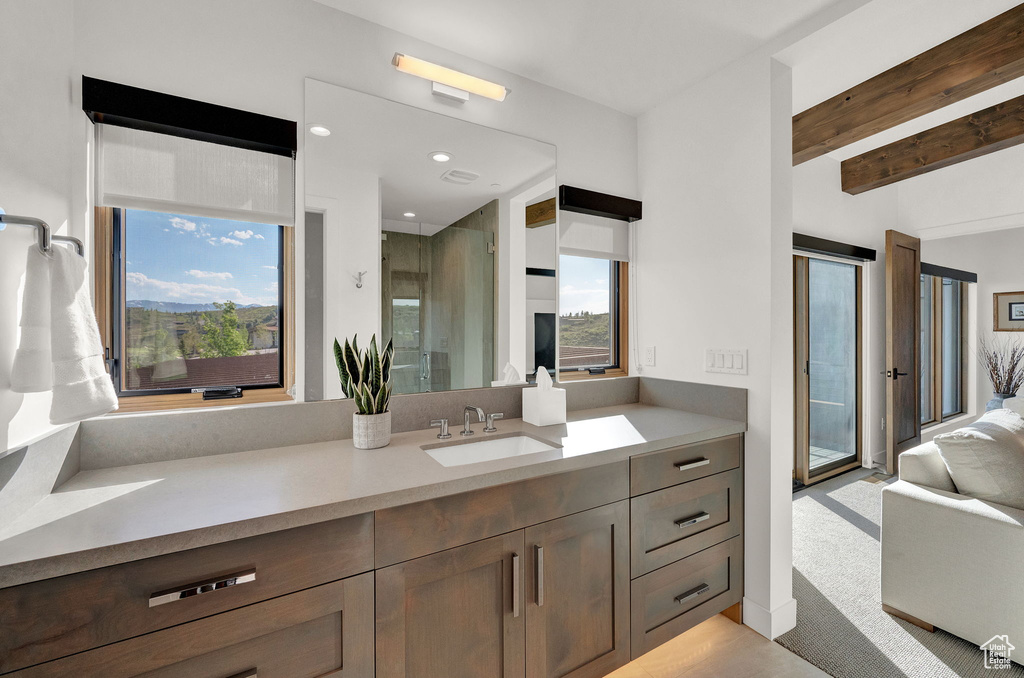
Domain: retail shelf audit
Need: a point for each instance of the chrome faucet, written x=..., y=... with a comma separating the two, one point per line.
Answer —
x=468, y=431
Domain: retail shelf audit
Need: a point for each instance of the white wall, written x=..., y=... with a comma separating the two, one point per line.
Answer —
x=708, y=267
x=35, y=173
x=249, y=54
x=820, y=208
x=984, y=192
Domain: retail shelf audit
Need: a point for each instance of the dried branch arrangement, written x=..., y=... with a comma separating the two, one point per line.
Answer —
x=1004, y=362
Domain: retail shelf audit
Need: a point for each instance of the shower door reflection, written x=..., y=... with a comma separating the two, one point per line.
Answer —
x=438, y=303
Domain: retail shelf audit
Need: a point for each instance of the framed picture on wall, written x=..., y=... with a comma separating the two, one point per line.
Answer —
x=1008, y=311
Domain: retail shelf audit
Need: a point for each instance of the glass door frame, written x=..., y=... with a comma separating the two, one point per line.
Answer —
x=802, y=470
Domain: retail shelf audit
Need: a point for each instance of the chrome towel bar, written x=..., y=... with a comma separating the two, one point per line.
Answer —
x=45, y=238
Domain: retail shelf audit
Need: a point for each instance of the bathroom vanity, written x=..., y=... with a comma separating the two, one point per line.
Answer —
x=319, y=559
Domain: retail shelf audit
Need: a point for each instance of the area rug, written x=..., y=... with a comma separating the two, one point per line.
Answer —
x=840, y=625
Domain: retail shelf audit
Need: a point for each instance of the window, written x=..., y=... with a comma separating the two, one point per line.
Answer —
x=592, y=305
x=189, y=303
x=943, y=304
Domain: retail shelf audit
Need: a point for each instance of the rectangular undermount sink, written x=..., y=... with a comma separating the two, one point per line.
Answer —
x=461, y=452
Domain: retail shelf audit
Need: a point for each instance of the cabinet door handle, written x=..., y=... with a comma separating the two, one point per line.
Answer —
x=540, y=575
x=686, y=466
x=686, y=522
x=692, y=593
x=515, y=584
x=249, y=673
x=210, y=586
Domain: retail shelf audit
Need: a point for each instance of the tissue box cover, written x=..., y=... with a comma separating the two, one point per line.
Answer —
x=544, y=407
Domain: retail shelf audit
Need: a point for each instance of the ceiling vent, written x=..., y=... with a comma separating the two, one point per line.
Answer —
x=461, y=177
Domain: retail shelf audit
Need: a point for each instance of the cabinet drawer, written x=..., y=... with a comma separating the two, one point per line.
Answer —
x=671, y=600
x=323, y=631
x=414, y=530
x=57, y=617
x=679, y=521
x=656, y=470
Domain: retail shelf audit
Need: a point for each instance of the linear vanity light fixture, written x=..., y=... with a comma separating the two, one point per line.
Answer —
x=447, y=82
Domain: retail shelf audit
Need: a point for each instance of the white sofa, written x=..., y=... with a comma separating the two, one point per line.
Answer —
x=948, y=559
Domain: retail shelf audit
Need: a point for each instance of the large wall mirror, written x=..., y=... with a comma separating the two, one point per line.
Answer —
x=417, y=231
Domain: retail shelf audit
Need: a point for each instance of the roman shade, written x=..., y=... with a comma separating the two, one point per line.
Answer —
x=585, y=235
x=159, y=172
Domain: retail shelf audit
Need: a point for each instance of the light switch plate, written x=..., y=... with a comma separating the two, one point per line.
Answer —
x=726, y=360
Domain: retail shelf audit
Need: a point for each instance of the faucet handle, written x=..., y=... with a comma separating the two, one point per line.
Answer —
x=443, y=425
x=489, y=428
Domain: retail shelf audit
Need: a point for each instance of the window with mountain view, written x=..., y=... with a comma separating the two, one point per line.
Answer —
x=200, y=304
x=587, y=302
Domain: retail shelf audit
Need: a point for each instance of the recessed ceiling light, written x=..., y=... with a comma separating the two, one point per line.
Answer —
x=320, y=131
x=409, y=214
x=440, y=156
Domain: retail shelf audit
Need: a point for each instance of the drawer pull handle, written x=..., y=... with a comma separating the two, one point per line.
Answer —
x=699, y=518
x=540, y=576
x=692, y=593
x=515, y=584
x=201, y=588
x=687, y=465
x=251, y=673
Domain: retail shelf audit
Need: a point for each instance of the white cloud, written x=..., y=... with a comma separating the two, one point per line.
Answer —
x=272, y=288
x=224, y=241
x=259, y=237
x=209, y=274
x=141, y=286
x=242, y=235
x=183, y=224
x=574, y=300
x=272, y=268
x=167, y=230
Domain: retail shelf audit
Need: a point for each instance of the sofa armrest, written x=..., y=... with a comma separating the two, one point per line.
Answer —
x=953, y=561
x=923, y=465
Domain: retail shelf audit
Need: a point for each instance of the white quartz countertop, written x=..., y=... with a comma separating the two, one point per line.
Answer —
x=114, y=515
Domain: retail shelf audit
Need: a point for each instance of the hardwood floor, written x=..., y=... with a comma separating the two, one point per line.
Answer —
x=719, y=647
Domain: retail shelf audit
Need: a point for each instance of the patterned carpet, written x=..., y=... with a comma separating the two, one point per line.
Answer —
x=840, y=624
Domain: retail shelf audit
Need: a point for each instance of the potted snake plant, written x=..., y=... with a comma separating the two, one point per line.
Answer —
x=366, y=379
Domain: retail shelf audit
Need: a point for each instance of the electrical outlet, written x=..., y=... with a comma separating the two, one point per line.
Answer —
x=649, y=356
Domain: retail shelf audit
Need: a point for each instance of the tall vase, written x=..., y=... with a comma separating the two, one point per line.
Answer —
x=997, y=401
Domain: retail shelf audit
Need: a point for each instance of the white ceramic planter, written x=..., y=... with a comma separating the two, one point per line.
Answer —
x=370, y=431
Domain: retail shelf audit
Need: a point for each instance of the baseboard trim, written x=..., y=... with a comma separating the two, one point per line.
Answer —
x=770, y=624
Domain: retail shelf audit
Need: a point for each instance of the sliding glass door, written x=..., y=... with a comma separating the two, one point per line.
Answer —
x=828, y=362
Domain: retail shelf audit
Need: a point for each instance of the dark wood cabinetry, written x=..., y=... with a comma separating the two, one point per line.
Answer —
x=458, y=613
x=567, y=575
x=56, y=617
x=323, y=631
x=577, y=591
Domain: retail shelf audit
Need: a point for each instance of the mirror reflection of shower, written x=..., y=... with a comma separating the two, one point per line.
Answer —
x=437, y=301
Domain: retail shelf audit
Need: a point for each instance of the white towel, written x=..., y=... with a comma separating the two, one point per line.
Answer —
x=32, y=369
x=81, y=386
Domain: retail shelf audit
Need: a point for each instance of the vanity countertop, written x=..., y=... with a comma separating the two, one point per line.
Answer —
x=114, y=515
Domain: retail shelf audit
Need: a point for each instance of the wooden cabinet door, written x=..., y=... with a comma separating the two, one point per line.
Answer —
x=454, y=614
x=577, y=594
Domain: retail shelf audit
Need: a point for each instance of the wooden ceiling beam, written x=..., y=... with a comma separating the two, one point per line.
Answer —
x=989, y=130
x=541, y=213
x=985, y=56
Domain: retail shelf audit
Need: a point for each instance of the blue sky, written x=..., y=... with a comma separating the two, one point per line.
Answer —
x=583, y=284
x=196, y=260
